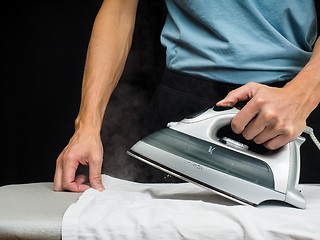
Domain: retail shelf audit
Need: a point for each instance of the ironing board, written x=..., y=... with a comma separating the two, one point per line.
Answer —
x=33, y=211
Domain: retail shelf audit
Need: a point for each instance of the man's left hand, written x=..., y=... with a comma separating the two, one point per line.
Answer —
x=272, y=116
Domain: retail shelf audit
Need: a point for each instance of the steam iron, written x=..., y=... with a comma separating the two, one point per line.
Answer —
x=202, y=149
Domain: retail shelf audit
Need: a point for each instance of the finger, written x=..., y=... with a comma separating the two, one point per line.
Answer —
x=80, y=179
x=253, y=128
x=75, y=187
x=266, y=135
x=243, y=93
x=69, y=183
x=58, y=175
x=95, y=175
x=274, y=138
x=244, y=117
x=276, y=142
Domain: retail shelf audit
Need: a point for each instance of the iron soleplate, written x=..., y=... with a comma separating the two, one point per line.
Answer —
x=187, y=178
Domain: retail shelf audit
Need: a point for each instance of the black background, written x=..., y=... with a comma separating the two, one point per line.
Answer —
x=44, y=51
x=44, y=54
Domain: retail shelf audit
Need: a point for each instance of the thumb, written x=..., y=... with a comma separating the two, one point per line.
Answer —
x=242, y=93
x=95, y=176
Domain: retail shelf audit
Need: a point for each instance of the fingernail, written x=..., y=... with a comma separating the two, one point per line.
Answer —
x=223, y=103
x=101, y=188
x=218, y=103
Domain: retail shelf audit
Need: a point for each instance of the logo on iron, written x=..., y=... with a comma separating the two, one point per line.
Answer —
x=211, y=149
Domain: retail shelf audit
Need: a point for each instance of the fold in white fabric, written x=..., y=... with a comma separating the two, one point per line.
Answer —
x=128, y=210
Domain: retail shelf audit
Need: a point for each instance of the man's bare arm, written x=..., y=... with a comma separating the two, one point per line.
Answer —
x=106, y=56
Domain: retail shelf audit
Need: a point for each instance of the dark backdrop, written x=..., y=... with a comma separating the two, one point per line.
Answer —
x=44, y=52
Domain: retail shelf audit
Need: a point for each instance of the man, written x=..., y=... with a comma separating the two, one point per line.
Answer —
x=262, y=51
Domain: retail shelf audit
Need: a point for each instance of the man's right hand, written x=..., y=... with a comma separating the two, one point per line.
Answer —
x=85, y=149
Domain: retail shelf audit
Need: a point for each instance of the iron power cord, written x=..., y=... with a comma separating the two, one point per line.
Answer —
x=309, y=131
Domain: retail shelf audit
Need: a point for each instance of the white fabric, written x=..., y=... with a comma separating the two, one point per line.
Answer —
x=128, y=210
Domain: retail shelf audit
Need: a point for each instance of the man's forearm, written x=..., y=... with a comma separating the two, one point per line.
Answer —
x=107, y=52
x=307, y=83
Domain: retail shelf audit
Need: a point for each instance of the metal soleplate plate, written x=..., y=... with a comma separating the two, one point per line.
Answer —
x=189, y=179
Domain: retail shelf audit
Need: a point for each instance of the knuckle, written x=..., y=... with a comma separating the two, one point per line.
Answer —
x=257, y=141
x=58, y=162
x=246, y=135
x=96, y=159
x=252, y=84
x=236, y=126
x=66, y=155
x=270, y=146
x=290, y=133
x=57, y=188
x=285, y=128
x=64, y=185
x=260, y=100
x=231, y=93
x=95, y=178
x=270, y=115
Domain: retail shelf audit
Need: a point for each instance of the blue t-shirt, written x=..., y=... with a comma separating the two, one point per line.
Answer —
x=239, y=41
